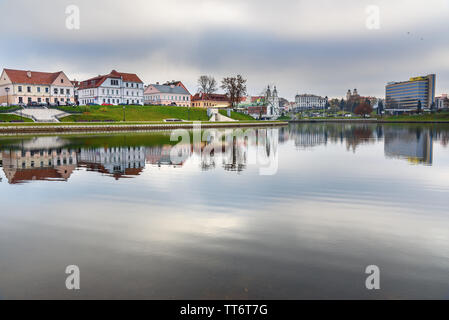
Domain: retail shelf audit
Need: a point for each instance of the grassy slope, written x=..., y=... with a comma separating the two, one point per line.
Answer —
x=136, y=113
x=10, y=117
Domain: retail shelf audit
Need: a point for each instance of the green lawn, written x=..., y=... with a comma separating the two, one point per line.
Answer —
x=12, y=117
x=135, y=113
x=438, y=116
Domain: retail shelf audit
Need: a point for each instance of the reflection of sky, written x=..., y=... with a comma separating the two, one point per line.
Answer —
x=308, y=231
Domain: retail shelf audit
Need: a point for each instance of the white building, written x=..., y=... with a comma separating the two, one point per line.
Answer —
x=114, y=88
x=310, y=101
x=442, y=102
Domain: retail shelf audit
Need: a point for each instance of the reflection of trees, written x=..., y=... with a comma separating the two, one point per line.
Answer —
x=358, y=136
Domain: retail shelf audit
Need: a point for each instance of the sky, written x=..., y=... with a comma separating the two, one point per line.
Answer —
x=322, y=47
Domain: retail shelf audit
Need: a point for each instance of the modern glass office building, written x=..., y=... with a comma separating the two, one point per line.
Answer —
x=404, y=96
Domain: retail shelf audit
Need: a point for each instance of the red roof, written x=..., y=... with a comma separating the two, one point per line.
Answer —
x=23, y=175
x=97, y=81
x=211, y=96
x=32, y=77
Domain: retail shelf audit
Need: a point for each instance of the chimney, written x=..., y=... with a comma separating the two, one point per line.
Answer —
x=29, y=74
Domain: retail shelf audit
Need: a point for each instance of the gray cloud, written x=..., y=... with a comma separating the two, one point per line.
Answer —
x=318, y=47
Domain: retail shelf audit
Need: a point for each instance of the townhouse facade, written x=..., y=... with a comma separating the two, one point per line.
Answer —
x=114, y=88
x=309, y=101
x=26, y=87
x=204, y=100
x=167, y=95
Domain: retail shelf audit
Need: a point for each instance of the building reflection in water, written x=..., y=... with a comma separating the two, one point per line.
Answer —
x=414, y=145
x=35, y=159
x=119, y=162
x=28, y=165
x=55, y=159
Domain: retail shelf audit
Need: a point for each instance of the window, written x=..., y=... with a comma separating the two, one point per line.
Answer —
x=20, y=100
x=114, y=82
x=19, y=88
x=62, y=80
x=46, y=90
x=61, y=91
x=55, y=90
x=28, y=89
x=67, y=91
x=38, y=89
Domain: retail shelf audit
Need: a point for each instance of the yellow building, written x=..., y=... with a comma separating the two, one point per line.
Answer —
x=213, y=100
x=25, y=87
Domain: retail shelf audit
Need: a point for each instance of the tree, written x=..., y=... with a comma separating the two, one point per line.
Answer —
x=342, y=105
x=433, y=107
x=207, y=84
x=380, y=107
x=363, y=109
x=419, y=106
x=235, y=88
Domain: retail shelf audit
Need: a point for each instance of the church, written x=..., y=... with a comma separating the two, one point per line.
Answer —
x=272, y=101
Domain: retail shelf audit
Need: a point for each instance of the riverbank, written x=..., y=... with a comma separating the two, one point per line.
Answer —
x=120, y=127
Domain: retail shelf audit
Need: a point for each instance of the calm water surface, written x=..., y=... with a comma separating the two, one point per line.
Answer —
x=214, y=226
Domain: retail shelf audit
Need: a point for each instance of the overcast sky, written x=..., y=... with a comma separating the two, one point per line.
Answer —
x=303, y=46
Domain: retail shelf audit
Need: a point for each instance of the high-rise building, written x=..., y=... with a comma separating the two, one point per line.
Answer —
x=404, y=96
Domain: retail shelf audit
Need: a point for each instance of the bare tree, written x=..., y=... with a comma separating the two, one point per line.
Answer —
x=207, y=84
x=235, y=88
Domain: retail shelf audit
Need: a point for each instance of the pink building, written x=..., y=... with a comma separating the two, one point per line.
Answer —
x=167, y=95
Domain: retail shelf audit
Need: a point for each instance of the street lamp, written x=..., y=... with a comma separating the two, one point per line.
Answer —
x=124, y=118
x=7, y=96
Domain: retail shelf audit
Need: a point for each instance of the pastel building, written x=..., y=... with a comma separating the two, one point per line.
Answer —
x=114, y=88
x=204, y=100
x=25, y=87
x=167, y=95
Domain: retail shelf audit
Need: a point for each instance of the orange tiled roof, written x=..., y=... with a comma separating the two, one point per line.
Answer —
x=210, y=97
x=32, y=77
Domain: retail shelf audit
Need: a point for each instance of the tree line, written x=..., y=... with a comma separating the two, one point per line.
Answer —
x=234, y=87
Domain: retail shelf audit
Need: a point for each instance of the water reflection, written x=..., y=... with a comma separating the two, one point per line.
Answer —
x=206, y=224
x=56, y=158
x=413, y=143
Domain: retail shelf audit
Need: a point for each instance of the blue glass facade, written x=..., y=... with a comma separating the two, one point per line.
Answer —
x=405, y=95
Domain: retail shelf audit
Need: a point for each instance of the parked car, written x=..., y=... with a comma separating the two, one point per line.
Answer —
x=3, y=105
x=106, y=104
x=92, y=104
